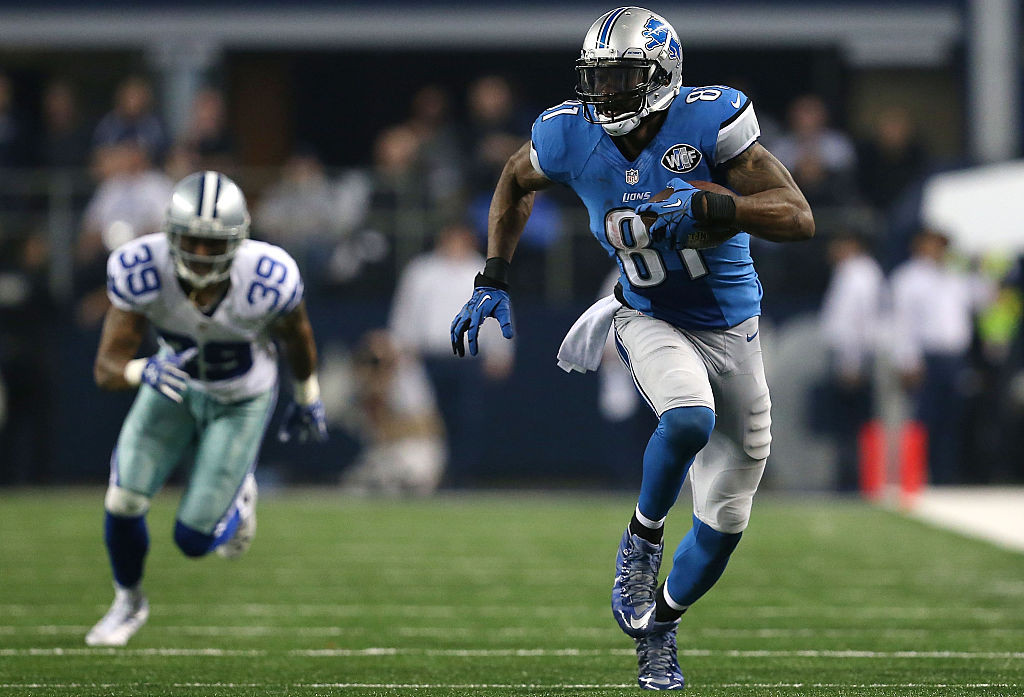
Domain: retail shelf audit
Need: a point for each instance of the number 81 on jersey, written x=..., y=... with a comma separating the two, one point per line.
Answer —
x=644, y=266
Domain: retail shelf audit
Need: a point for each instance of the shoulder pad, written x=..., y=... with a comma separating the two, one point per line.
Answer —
x=563, y=141
x=729, y=112
x=134, y=275
x=268, y=277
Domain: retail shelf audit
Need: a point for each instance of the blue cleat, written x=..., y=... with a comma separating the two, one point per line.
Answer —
x=656, y=659
x=636, y=580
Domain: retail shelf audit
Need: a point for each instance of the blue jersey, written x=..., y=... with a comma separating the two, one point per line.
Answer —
x=706, y=126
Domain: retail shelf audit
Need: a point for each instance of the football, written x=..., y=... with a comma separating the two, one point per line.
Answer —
x=699, y=239
x=665, y=193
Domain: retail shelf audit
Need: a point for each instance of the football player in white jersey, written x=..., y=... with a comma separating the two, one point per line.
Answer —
x=217, y=302
x=685, y=311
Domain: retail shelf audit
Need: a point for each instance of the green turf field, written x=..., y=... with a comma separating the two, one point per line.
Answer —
x=504, y=595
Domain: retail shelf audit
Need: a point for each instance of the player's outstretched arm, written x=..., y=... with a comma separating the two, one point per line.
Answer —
x=304, y=417
x=771, y=205
x=120, y=340
x=511, y=206
x=116, y=369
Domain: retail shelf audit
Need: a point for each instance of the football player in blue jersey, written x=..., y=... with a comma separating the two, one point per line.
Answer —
x=217, y=300
x=685, y=311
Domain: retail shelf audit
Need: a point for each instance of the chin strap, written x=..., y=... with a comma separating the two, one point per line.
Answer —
x=621, y=128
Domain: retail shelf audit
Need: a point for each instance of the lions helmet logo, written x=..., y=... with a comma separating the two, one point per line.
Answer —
x=632, y=176
x=657, y=34
x=681, y=158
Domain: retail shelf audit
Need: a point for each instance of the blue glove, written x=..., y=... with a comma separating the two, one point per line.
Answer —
x=303, y=422
x=486, y=302
x=675, y=220
x=164, y=373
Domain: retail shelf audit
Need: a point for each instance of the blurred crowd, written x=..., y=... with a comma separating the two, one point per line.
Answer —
x=409, y=225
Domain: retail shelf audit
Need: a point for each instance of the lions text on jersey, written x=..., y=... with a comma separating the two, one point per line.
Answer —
x=236, y=357
x=705, y=289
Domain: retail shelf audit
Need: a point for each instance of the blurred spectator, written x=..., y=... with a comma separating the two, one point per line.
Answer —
x=851, y=315
x=181, y=161
x=317, y=220
x=892, y=158
x=993, y=410
x=130, y=201
x=808, y=132
x=13, y=142
x=65, y=139
x=26, y=326
x=821, y=159
x=933, y=307
x=132, y=119
x=207, y=132
x=494, y=131
x=299, y=207
x=439, y=152
x=397, y=177
x=820, y=186
x=395, y=414
x=430, y=292
x=395, y=215
x=13, y=137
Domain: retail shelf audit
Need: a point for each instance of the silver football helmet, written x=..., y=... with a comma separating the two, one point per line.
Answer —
x=631, y=66
x=206, y=222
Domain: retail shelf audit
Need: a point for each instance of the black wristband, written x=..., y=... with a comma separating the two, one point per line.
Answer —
x=495, y=274
x=497, y=268
x=720, y=208
x=484, y=281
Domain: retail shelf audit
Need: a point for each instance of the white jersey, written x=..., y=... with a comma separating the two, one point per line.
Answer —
x=237, y=358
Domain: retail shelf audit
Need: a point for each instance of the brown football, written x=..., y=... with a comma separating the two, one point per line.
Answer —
x=665, y=193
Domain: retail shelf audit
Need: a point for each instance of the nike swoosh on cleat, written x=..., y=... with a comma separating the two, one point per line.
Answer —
x=487, y=297
x=750, y=337
x=736, y=104
x=642, y=618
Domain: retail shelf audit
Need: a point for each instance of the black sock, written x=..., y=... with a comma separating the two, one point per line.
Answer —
x=652, y=535
x=663, y=612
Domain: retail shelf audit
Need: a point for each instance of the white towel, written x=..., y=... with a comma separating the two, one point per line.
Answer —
x=583, y=347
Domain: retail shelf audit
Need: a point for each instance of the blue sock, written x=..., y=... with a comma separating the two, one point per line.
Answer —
x=127, y=543
x=680, y=435
x=699, y=561
x=197, y=544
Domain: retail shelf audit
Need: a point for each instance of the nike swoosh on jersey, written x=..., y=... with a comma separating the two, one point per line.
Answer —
x=750, y=337
x=642, y=619
x=736, y=104
x=487, y=297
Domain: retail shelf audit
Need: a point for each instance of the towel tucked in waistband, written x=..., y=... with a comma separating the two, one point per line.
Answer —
x=583, y=346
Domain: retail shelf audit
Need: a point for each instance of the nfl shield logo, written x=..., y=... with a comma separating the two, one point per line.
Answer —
x=632, y=176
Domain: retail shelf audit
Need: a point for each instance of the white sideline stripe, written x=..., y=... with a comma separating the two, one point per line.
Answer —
x=470, y=653
x=524, y=686
x=995, y=514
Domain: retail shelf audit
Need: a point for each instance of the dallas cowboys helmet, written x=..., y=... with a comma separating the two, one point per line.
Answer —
x=631, y=66
x=205, y=207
